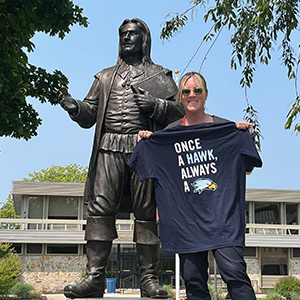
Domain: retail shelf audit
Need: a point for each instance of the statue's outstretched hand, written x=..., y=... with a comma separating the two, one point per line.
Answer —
x=66, y=101
x=144, y=101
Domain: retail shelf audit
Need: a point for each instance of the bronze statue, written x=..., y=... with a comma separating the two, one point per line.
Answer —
x=133, y=95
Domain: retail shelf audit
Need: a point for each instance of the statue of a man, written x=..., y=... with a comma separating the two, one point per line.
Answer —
x=133, y=95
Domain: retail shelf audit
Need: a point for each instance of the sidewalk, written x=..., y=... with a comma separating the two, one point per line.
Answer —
x=114, y=296
x=129, y=296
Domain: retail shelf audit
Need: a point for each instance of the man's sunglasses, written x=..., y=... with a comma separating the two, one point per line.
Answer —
x=197, y=90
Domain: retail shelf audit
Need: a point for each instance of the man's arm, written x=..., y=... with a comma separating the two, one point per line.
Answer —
x=83, y=112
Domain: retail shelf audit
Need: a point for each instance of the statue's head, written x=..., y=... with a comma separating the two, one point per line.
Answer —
x=142, y=41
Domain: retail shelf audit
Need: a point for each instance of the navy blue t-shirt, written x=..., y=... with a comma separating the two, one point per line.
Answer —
x=200, y=175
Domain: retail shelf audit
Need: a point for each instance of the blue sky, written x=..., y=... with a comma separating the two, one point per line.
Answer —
x=85, y=51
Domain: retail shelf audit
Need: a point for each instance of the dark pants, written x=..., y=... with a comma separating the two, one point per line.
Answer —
x=115, y=183
x=232, y=267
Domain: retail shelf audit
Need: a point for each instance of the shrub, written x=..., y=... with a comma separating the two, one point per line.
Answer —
x=169, y=289
x=287, y=285
x=10, y=269
x=273, y=295
x=221, y=293
x=295, y=296
x=24, y=290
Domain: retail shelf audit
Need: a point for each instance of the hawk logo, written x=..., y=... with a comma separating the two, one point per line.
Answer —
x=202, y=184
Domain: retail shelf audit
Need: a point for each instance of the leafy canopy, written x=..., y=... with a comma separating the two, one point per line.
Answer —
x=19, y=21
x=10, y=269
x=69, y=173
x=8, y=211
x=257, y=26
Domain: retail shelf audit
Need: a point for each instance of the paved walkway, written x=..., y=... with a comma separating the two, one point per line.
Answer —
x=112, y=296
x=115, y=296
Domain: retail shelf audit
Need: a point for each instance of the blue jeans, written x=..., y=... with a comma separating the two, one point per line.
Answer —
x=232, y=267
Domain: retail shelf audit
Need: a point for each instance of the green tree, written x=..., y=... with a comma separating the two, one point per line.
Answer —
x=256, y=26
x=19, y=21
x=8, y=211
x=69, y=173
x=10, y=269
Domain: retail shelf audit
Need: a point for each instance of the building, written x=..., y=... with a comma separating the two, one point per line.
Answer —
x=50, y=237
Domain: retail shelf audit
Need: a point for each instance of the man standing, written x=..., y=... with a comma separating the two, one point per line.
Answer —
x=133, y=95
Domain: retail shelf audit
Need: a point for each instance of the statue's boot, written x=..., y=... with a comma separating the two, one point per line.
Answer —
x=93, y=285
x=148, y=249
x=99, y=234
x=147, y=257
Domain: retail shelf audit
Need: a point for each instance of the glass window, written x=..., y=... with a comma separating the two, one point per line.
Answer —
x=247, y=212
x=123, y=216
x=62, y=249
x=63, y=208
x=296, y=252
x=250, y=251
x=34, y=248
x=112, y=266
x=17, y=247
x=274, y=261
x=35, y=207
x=166, y=269
x=85, y=212
x=292, y=217
x=267, y=213
x=291, y=214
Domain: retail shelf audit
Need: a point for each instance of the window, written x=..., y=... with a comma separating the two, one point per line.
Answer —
x=291, y=214
x=250, y=251
x=35, y=211
x=62, y=249
x=63, y=208
x=34, y=248
x=292, y=217
x=274, y=261
x=17, y=247
x=247, y=212
x=267, y=213
x=296, y=252
x=35, y=207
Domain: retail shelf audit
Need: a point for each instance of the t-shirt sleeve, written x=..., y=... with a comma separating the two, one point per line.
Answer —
x=142, y=161
x=249, y=152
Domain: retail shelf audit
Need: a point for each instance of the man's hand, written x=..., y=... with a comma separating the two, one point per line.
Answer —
x=66, y=101
x=244, y=125
x=144, y=101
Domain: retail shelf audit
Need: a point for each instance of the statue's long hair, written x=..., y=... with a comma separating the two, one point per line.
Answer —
x=146, y=46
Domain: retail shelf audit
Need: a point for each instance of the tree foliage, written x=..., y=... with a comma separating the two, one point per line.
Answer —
x=287, y=285
x=19, y=21
x=69, y=173
x=8, y=211
x=257, y=26
x=10, y=269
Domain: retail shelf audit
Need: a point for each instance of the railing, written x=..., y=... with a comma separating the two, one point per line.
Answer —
x=57, y=224
x=54, y=224
x=132, y=278
x=276, y=229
